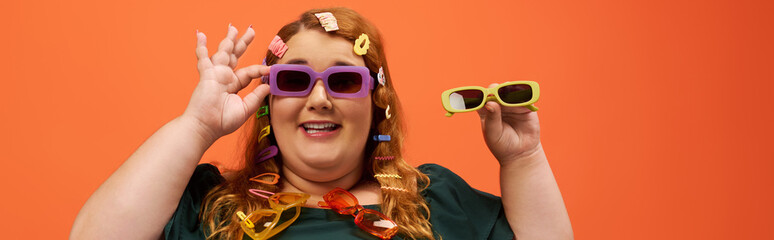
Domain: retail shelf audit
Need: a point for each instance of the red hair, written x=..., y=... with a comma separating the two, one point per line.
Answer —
x=407, y=208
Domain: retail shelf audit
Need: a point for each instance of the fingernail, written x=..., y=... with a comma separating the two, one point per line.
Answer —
x=251, y=26
x=490, y=109
x=229, y=26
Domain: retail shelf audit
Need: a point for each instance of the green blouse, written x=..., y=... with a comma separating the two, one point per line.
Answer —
x=457, y=211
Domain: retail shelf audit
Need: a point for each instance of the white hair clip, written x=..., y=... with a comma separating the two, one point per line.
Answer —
x=328, y=21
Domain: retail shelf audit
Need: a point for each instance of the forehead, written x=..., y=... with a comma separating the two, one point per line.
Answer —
x=320, y=50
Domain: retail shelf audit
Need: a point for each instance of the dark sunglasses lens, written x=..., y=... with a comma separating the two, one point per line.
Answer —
x=292, y=81
x=466, y=99
x=513, y=94
x=345, y=82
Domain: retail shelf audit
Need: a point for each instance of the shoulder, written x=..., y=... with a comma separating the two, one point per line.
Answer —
x=205, y=177
x=184, y=223
x=445, y=183
x=460, y=211
x=433, y=170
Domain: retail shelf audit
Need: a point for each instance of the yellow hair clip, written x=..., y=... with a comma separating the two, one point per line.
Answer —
x=244, y=218
x=365, y=42
x=387, y=112
x=395, y=189
x=387, y=175
x=265, y=132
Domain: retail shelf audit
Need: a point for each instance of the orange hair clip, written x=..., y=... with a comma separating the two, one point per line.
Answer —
x=273, y=181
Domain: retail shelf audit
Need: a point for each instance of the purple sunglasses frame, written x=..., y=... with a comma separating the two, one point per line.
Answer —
x=363, y=71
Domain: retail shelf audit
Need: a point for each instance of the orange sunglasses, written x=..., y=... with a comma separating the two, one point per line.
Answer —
x=370, y=220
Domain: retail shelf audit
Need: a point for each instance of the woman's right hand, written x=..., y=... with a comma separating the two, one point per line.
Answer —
x=215, y=106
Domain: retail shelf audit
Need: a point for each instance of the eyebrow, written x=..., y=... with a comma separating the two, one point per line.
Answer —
x=301, y=61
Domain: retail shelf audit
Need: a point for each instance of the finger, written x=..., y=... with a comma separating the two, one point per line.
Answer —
x=233, y=60
x=255, y=98
x=203, y=60
x=247, y=74
x=226, y=47
x=491, y=119
x=244, y=41
x=515, y=110
x=485, y=111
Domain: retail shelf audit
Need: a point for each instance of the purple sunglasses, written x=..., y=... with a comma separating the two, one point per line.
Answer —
x=340, y=81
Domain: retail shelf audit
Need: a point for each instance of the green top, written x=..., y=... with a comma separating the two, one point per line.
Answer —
x=457, y=211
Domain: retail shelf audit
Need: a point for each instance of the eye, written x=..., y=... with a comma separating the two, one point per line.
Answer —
x=345, y=82
x=292, y=81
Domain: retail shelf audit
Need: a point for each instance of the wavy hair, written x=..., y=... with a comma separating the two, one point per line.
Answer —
x=407, y=208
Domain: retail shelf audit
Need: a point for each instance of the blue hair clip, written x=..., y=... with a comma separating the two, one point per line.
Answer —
x=382, y=138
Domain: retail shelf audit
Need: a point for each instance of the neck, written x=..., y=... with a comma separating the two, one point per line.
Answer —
x=292, y=181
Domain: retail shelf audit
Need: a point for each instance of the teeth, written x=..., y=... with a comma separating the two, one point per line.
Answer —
x=318, y=126
x=316, y=131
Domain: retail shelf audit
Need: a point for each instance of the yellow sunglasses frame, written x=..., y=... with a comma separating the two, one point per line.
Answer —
x=491, y=95
x=276, y=208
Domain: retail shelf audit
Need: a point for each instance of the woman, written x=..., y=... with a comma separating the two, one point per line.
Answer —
x=325, y=141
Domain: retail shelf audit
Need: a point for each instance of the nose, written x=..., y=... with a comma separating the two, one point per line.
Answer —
x=318, y=98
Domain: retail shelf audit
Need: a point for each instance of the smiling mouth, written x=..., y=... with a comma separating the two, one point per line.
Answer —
x=319, y=127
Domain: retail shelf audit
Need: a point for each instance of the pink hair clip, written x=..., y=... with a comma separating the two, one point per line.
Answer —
x=258, y=192
x=278, y=47
x=385, y=158
x=328, y=21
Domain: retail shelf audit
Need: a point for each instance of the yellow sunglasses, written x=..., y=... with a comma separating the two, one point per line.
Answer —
x=509, y=94
x=262, y=223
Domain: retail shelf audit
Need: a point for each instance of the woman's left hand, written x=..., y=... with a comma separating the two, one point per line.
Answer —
x=511, y=133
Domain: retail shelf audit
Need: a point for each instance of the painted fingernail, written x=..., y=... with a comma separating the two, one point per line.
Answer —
x=490, y=109
x=251, y=26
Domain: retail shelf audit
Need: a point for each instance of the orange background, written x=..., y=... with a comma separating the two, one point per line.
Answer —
x=656, y=115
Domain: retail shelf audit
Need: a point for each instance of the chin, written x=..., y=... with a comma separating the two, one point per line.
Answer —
x=321, y=163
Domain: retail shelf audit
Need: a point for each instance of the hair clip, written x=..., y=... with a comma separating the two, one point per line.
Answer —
x=387, y=112
x=265, y=132
x=395, y=188
x=244, y=218
x=258, y=192
x=327, y=21
x=380, y=77
x=273, y=181
x=270, y=152
x=362, y=40
x=385, y=158
x=278, y=47
x=387, y=175
x=265, y=112
x=381, y=138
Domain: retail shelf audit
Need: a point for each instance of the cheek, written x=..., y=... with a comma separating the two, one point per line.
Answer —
x=360, y=113
x=283, y=111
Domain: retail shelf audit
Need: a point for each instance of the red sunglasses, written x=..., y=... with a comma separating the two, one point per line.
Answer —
x=370, y=220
